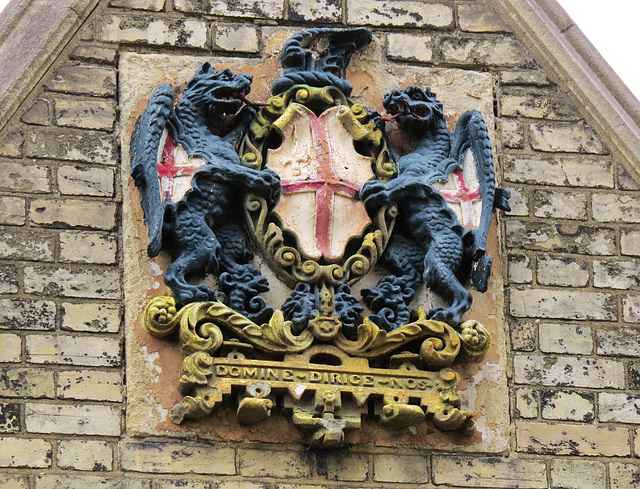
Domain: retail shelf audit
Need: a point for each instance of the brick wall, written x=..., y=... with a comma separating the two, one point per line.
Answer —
x=568, y=245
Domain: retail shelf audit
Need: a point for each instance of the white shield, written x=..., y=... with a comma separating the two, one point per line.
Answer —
x=462, y=192
x=175, y=169
x=321, y=172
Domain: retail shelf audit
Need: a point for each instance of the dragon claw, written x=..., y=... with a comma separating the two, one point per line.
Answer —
x=375, y=193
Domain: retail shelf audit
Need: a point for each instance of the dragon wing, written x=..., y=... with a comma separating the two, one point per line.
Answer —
x=147, y=144
x=471, y=190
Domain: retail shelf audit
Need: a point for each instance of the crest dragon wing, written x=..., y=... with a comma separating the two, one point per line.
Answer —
x=146, y=150
x=472, y=151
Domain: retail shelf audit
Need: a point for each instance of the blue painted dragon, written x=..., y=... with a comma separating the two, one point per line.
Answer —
x=196, y=229
x=429, y=243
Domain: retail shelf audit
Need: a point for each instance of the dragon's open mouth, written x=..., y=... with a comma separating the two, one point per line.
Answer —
x=227, y=93
x=229, y=100
x=400, y=109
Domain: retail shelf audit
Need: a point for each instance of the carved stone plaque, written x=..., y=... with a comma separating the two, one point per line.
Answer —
x=318, y=195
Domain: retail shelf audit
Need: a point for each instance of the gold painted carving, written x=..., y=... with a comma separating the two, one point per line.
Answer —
x=324, y=380
x=292, y=268
x=198, y=325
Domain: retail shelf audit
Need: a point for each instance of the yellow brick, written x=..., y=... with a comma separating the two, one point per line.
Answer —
x=11, y=481
x=26, y=382
x=10, y=349
x=399, y=468
x=73, y=282
x=241, y=485
x=21, y=177
x=12, y=210
x=68, y=212
x=303, y=486
x=410, y=47
x=570, y=137
x=176, y=458
x=94, y=317
x=568, y=405
x=480, y=18
x=24, y=452
x=55, y=481
x=564, y=439
x=84, y=79
x=526, y=402
x=489, y=472
x=470, y=51
x=180, y=484
x=86, y=247
x=267, y=463
x=72, y=419
x=11, y=144
x=237, y=38
x=624, y=476
x=91, y=455
x=93, y=385
x=74, y=350
x=27, y=314
x=9, y=418
x=94, y=114
x=400, y=13
x=306, y=486
x=578, y=474
x=347, y=467
x=188, y=32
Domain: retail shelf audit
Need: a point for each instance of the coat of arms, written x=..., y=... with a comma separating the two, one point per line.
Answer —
x=311, y=182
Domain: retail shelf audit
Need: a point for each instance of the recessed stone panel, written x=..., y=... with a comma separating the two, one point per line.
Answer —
x=153, y=364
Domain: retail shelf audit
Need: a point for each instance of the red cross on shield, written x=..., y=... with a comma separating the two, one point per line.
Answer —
x=462, y=193
x=321, y=172
x=175, y=170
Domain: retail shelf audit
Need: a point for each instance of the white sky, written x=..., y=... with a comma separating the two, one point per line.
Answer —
x=610, y=25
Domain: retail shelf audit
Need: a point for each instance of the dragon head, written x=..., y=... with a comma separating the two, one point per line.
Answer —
x=415, y=109
x=218, y=92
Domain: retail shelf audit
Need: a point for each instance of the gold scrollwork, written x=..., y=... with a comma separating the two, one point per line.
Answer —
x=195, y=371
x=440, y=347
x=282, y=250
x=196, y=407
x=288, y=263
x=251, y=147
x=445, y=411
x=199, y=331
x=160, y=317
x=276, y=336
x=199, y=328
x=196, y=335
